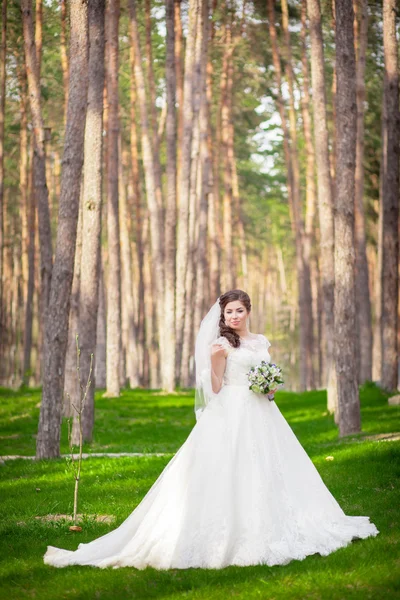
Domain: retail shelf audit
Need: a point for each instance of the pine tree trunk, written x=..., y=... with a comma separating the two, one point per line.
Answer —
x=137, y=211
x=238, y=214
x=3, y=49
x=363, y=301
x=92, y=209
x=169, y=357
x=325, y=200
x=101, y=336
x=377, y=347
x=150, y=173
x=179, y=77
x=204, y=176
x=56, y=331
x=113, y=234
x=213, y=198
x=345, y=309
x=32, y=55
x=23, y=174
x=30, y=289
x=64, y=54
x=129, y=330
x=182, y=250
x=390, y=202
x=71, y=386
x=226, y=92
x=155, y=143
x=311, y=199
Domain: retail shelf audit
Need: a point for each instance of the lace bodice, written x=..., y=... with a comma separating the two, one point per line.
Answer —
x=252, y=350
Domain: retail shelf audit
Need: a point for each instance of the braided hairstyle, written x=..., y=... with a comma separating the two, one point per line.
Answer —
x=231, y=335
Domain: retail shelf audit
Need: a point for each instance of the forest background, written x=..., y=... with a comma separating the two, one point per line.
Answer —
x=210, y=149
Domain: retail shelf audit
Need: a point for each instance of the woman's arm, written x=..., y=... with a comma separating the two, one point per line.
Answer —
x=218, y=364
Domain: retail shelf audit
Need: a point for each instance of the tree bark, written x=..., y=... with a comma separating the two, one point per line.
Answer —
x=182, y=250
x=153, y=113
x=71, y=385
x=64, y=54
x=3, y=49
x=28, y=209
x=137, y=211
x=363, y=300
x=56, y=331
x=325, y=200
x=92, y=208
x=204, y=176
x=390, y=202
x=345, y=316
x=150, y=176
x=214, y=249
x=113, y=233
x=101, y=337
x=311, y=202
x=128, y=317
x=226, y=100
x=39, y=160
x=169, y=357
x=178, y=48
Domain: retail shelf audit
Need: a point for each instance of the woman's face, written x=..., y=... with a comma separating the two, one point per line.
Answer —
x=236, y=314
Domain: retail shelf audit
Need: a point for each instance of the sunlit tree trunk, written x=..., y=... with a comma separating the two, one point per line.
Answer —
x=226, y=99
x=64, y=53
x=363, y=301
x=39, y=160
x=56, y=330
x=390, y=201
x=204, y=176
x=129, y=329
x=238, y=215
x=3, y=49
x=137, y=211
x=213, y=198
x=153, y=121
x=152, y=373
x=113, y=234
x=71, y=387
x=92, y=209
x=27, y=211
x=169, y=357
x=179, y=76
x=325, y=200
x=345, y=309
x=150, y=175
x=311, y=200
x=101, y=337
x=182, y=250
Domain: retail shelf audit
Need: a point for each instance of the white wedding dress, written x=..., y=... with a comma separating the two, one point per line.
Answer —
x=241, y=490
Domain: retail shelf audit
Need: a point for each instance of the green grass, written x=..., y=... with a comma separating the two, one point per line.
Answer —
x=364, y=478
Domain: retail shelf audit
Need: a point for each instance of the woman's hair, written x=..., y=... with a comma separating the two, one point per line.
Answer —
x=231, y=335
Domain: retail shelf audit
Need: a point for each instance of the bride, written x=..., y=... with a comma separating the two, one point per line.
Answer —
x=241, y=490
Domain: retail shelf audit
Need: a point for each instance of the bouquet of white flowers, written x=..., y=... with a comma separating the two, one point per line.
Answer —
x=264, y=378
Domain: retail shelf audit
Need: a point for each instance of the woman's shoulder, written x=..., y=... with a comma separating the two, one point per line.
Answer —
x=260, y=337
x=222, y=341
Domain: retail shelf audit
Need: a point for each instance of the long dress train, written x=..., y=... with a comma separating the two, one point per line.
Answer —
x=241, y=490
